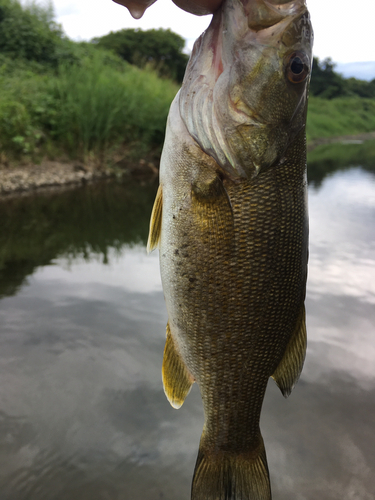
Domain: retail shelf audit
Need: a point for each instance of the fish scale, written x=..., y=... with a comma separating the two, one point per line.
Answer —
x=233, y=238
x=229, y=275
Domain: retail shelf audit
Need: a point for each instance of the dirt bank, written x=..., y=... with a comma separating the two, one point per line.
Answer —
x=28, y=177
x=342, y=138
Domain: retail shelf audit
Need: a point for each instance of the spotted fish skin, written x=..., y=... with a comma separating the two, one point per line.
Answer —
x=230, y=220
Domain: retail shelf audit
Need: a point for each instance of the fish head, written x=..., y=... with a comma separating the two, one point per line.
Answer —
x=244, y=96
x=272, y=73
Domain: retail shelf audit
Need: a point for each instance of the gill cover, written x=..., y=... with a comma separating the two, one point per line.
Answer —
x=237, y=99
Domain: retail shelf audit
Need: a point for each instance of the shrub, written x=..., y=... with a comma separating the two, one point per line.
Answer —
x=98, y=107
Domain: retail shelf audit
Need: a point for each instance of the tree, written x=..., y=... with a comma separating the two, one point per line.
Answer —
x=325, y=82
x=361, y=87
x=162, y=49
x=328, y=84
x=30, y=33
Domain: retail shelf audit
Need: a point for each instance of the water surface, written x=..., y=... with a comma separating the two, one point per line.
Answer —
x=82, y=410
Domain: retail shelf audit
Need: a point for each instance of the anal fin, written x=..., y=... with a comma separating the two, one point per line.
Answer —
x=177, y=379
x=155, y=222
x=289, y=369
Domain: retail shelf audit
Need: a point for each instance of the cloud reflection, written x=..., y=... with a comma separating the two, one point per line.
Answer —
x=342, y=236
x=130, y=269
x=341, y=283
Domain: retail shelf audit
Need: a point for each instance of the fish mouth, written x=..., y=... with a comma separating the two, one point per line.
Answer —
x=262, y=14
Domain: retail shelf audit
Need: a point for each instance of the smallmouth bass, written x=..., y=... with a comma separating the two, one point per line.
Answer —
x=230, y=220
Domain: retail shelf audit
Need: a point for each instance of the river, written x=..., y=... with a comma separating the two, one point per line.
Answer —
x=83, y=415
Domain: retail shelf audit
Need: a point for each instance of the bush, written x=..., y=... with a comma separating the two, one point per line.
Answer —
x=22, y=91
x=98, y=107
x=14, y=127
x=160, y=49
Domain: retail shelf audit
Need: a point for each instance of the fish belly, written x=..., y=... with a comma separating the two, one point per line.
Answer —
x=233, y=256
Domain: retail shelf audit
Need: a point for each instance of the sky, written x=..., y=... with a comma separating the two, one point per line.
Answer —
x=343, y=28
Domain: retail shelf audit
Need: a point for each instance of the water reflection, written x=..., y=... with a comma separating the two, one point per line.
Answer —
x=341, y=273
x=82, y=410
x=330, y=158
x=85, y=221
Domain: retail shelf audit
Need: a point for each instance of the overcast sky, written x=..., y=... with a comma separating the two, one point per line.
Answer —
x=343, y=29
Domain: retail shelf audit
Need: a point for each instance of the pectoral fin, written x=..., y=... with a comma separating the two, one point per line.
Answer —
x=287, y=373
x=155, y=222
x=213, y=214
x=177, y=380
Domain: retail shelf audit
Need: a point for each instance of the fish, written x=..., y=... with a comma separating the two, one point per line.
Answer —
x=231, y=224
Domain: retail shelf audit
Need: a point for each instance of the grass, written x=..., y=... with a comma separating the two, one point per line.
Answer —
x=341, y=116
x=101, y=108
x=91, y=109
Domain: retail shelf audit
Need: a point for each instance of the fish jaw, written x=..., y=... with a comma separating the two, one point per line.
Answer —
x=236, y=100
x=266, y=13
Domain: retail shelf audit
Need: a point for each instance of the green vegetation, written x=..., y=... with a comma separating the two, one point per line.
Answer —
x=99, y=108
x=107, y=100
x=160, y=49
x=328, y=84
x=65, y=99
x=341, y=116
x=96, y=108
x=28, y=32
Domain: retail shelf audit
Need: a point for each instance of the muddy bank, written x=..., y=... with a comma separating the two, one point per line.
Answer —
x=49, y=174
x=25, y=178
x=345, y=139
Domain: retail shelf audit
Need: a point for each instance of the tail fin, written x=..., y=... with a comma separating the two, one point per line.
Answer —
x=227, y=476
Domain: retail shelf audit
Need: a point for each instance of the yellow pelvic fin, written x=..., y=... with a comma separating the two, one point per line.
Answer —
x=231, y=476
x=155, y=222
x=287, y=373
x=177, y=379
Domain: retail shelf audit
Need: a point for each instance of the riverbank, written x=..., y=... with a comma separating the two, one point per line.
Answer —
x=23, y=178
x=344, y=139
x=29, y=177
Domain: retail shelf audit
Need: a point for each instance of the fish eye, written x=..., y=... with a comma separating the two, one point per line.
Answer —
x=297, y=67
